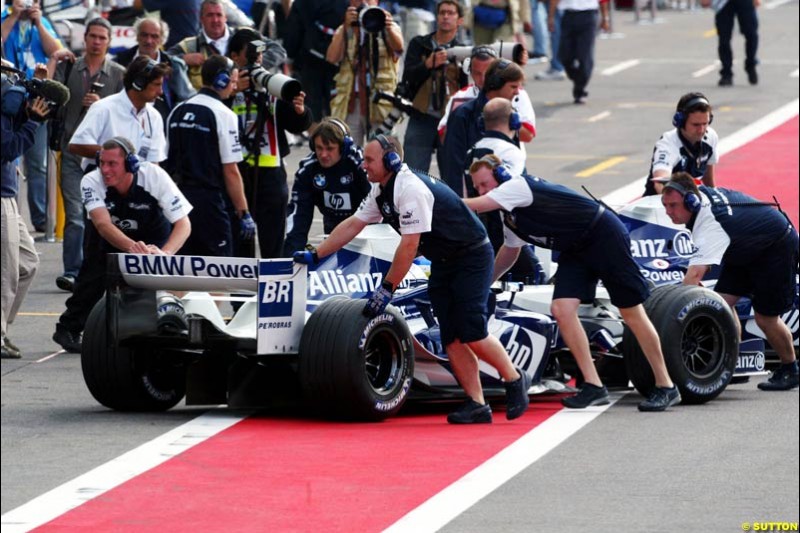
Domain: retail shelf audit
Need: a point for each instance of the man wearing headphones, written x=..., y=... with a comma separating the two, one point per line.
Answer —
x=135, y=207
x=434, y=222
x=204, y=151
x=757, y=248
x=691, y=146
x=479, y=62
x=593, y=245
x=330, y=178
x=504, y=79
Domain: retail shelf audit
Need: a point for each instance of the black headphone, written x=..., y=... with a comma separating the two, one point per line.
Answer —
x=132, y=164
x=691, y=201
x=141, y=79
x=494, y=81
x=223, y=77
x=500, y=171
x=346, y=144
x=682, y=114
x=392, y=161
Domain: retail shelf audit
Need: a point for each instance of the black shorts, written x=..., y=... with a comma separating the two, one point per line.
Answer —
x=459, y=291
x=606, y=256
x=211, y=226
x=769, y=278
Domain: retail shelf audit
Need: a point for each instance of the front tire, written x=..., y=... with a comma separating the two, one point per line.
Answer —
x=354, y=367
x=128, y=378
x=699, y=339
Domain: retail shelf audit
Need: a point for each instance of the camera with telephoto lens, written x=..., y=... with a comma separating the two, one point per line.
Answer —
x=17, y=90
x=261, y=79
x=371, y=18
x=27, y=5
x=400, y=108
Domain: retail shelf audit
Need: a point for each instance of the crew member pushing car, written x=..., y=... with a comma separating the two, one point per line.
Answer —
x=594, y=246
x=757, y=247
x=432, y=220
x=135, y=207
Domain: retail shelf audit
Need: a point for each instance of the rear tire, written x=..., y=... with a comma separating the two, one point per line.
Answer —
x=354, y=367
x=699, y=339
x=128, y=378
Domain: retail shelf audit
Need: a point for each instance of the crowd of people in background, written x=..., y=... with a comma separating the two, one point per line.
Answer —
x=205, y=100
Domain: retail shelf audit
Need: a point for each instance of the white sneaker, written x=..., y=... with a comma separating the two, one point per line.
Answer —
x=550, y=75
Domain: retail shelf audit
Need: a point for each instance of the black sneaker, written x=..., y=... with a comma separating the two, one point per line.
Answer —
x=517, y=396
x=65, y=282
x=661, y=398
x=588, y=395
x=785, y=377
x=471, y=412
x=752, y=75
x=71, y=342
x=725, y=81
x=9, y=351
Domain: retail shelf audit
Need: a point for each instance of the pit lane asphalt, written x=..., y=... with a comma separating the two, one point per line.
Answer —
x=699, y=468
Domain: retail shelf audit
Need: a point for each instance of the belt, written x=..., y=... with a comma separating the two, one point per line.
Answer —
x=461, y=252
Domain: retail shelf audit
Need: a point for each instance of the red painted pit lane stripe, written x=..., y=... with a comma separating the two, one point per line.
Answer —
x=297, y=475
x=767, y=167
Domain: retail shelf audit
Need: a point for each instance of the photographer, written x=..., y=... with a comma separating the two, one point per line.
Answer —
x=367, y=47
x=29, y=40
x=21, y=118
x=330, y=178
x=429, y=79
x=264, y=119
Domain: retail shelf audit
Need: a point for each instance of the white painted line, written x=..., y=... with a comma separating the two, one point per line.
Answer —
x=776, y=3
x=795, y=73
x=769, y=122
x=436, y=512
x=619, y=67
x=705, y=70
x=600, y=116
x=105, y=477
x=48, y=357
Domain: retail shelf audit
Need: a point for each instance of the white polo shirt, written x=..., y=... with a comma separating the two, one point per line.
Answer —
x=115, y=116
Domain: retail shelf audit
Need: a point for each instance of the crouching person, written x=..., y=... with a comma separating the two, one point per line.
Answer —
x=135, y=207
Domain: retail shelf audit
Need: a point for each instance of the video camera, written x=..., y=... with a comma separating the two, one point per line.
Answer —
x=371, y=18
x=18, y=90
x=510, y=51
x=261, y=79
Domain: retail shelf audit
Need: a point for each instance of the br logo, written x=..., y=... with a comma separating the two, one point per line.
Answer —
x=276, y=298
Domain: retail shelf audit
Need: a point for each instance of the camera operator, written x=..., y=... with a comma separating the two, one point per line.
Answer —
x=367, y=47
x=21, y=118
x=429, y=79
x=29, y=39
x=331, y=178
x=267, y=106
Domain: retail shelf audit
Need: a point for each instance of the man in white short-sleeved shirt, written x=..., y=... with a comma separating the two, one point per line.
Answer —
x=135, y=208
x=129, y=114
x=433, y=221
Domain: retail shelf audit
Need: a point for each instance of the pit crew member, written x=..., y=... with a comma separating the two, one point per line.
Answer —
x=594, y=246
x=691, y=146
x=135, y=207
x=330, y=178
x=757, y=248
x=433, y=221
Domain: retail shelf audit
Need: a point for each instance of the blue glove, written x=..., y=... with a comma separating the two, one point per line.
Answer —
x=306, y=257
x=379, y=300
x=247, y=226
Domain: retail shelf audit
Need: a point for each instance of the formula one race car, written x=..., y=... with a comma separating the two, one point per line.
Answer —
x=301, y=334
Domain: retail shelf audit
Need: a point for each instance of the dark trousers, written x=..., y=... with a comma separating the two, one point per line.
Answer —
x=576, y=49
x=268, y=197
x=422, y=138
x=90, y=284
x=745, y=13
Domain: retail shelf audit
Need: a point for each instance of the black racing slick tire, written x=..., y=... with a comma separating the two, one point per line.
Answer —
x=699, y=339
x=352, y=367
x=128, y=378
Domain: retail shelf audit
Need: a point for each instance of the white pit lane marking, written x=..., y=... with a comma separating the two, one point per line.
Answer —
x=619, y=67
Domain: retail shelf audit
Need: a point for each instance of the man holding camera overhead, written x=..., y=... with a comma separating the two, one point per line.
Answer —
x=367, y=47
x=268, y=105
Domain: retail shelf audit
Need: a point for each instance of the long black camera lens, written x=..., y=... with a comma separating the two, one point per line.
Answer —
x=372, y=19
